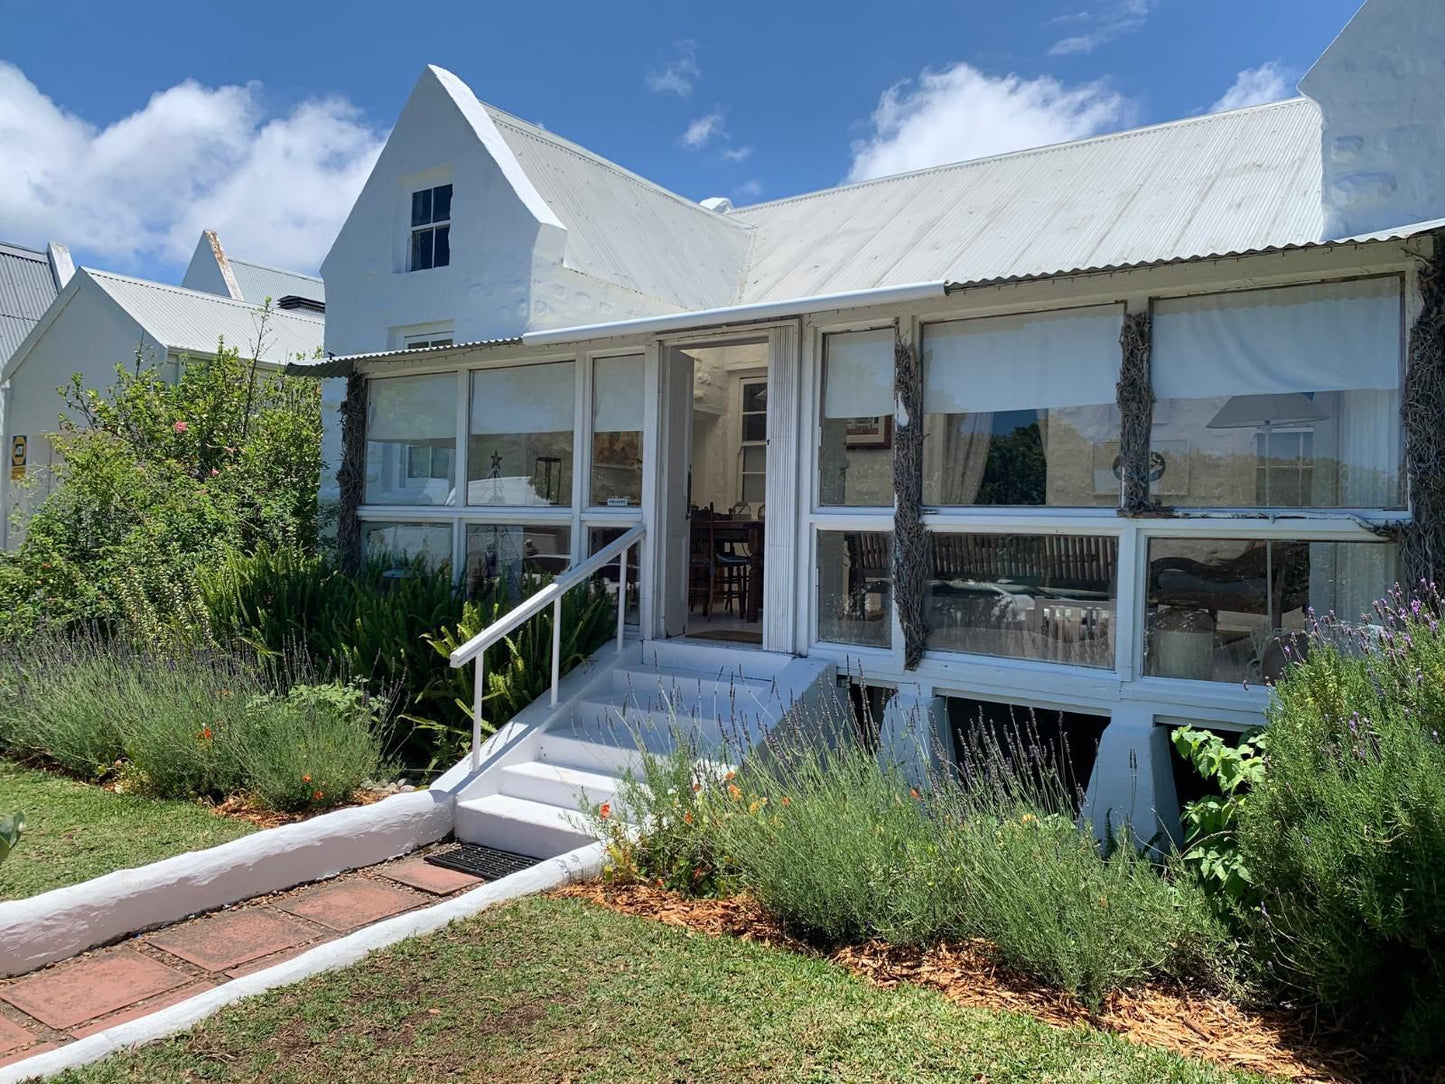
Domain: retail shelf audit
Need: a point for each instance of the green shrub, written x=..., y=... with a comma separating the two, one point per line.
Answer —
x=1211, y=843
x=1345, y=834
x=58, y=701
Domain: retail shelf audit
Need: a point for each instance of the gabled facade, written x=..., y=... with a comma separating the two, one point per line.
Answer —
x=1087, y=429
x=101, y=320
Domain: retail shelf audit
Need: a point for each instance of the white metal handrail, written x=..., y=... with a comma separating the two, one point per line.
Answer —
x=473, y=650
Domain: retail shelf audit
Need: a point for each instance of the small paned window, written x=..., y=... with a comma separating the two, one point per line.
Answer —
x=431, y=216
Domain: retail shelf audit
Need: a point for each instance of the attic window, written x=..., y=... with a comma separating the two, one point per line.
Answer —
x=431, y=215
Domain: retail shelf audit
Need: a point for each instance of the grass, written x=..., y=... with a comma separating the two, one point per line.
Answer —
x=559, y=990
x=75, y=831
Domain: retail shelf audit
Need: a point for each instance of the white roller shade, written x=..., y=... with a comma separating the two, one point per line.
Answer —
x=524, y=399
x=859, y=378
x=412, y=409
x=1336, y=336
x=617, y=394
x=1029, y=362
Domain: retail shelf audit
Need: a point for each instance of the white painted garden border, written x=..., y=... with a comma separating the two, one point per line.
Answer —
x=586, y=861
x=58, y=924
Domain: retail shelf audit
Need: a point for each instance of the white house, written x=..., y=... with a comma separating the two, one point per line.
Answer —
x=1088, y=428
x=100, y=320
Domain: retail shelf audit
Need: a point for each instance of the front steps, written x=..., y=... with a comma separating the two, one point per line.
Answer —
x=725, y=697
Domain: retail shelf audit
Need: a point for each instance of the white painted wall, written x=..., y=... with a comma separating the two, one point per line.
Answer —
x=1380, y=87
x=90, y=334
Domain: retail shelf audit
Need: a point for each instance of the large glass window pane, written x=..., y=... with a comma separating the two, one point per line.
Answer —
x=855, y=587
x=411, y=440
x=405, y=542
x=1046, y=597
x=421, y=207
x=441, y=209
x=520, y=448
x=443, y=246
x=1019, y=410
x=1226, y=609
x=856, y=444
x=1279, y=398
x=598, y=537
x=514, y=553
x=617, y=430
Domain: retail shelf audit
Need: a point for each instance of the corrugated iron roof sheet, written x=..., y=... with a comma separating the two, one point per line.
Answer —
x=624, y=229
x=188, y=321
x=258, y=282
x=27, y=288
x=344, y=365
x=1226, y=182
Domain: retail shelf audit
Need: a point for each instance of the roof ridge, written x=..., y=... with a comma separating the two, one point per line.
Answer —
x=527, y=128
x=1026, y=152
x=11, y=249
x=95, y=272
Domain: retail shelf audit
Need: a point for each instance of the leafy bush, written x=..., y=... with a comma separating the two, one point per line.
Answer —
x=206, y=724
x=387, y=632
x=844, y=851
x=1211, y=845
x=1345, y=834
x=156, y=479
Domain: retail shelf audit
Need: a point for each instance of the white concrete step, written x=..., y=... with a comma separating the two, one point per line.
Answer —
x=680, y=679
x=508, y=823
x=713, y=660
x=556, y=784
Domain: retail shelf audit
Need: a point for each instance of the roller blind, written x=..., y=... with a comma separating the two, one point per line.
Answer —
x=412, y=409
x=1335, y=336
x=1028, y=362
x=617, y=394
x=524, y=399
x=858, y=382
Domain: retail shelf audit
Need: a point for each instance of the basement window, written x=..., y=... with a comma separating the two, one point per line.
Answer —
x=1059, y=745
x=431, y=216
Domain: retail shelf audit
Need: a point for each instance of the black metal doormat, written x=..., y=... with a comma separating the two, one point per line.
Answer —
x=482, y=861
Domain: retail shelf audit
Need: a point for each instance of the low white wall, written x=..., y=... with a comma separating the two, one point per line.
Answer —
x=59, y=924
x=575, y=865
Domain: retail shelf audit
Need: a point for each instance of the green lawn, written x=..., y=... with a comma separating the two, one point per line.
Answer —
x=561, y=990
x=74, y=832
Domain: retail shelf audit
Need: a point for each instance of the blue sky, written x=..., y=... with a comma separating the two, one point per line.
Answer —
x=123, y=134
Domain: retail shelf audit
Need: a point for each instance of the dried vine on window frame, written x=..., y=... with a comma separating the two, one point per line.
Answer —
x=351, y=477
x=910, y=540
x=1136, y=415
x=1422, y=414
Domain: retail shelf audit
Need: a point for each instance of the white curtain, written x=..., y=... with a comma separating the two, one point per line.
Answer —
x=524, y=399
x=412, y=409
x=617, y=394
x=1321, y=337
x=955, y=452
x=859, y=374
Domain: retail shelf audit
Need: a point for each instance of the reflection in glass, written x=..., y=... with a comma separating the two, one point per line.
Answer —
x=1046, y=597
x=513, y=553
x=411, y=440
x=405, y=542
x=856, y=439
x=617, y=431
x=520, y=446
x=855, y=585
x=597, y=537
x=1227, y=609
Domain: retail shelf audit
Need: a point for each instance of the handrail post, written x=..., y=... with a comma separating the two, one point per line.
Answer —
x=556, y=646
x=622, y=593
x=477, y=714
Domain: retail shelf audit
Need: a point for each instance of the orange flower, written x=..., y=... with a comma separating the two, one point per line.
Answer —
x=305, y=779
x=696, y=787
x=687, y=818
x=316, y=796
x=605, y=810
x=697, y=874
x=734, y=791
x=731, y=775
x=913, y=792
x=787, y=800
x=204, y=735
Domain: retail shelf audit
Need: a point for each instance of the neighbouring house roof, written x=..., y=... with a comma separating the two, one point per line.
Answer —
x=27, y=287
x=189, y=321
x=258, y=282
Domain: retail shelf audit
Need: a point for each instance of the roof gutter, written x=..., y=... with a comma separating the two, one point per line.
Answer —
x=736, y=314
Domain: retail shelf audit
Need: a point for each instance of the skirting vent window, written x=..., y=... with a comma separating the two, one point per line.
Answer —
x=431, y=231
x=1043, y=745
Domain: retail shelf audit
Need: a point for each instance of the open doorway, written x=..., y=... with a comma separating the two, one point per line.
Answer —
x=727, y=489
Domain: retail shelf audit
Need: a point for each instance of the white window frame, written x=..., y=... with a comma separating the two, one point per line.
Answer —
x=431, y=225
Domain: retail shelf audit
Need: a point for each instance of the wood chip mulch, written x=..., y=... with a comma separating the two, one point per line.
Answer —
x=1289, y=1045
x=240, y=808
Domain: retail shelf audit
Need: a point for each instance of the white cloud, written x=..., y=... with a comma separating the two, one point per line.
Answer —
x=701, y=131
x=737, y=154
x=142, y=188
x=961, y=113
x=678, y=73
x=750, y=189
x=1253, y=86
x=1119, y=19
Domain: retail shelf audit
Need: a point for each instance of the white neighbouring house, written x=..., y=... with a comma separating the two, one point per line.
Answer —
x=549, y=350
x=99, y=320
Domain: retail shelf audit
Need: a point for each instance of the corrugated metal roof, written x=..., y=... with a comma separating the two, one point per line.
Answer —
x=624, y=229
x=1226, y=182
x=188, y=321
x=258, y=282
x=27, y=288
x=344, y=365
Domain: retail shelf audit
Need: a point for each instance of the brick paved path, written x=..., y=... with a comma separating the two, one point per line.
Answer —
x=90, y=992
